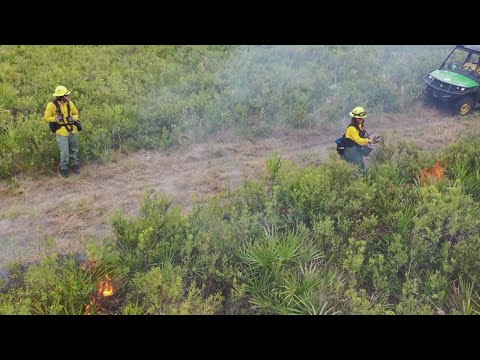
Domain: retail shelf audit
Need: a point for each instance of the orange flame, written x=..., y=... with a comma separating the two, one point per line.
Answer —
x=434, y=174
x=106, y=287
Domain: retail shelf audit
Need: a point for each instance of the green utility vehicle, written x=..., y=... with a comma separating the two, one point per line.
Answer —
x=457, y=81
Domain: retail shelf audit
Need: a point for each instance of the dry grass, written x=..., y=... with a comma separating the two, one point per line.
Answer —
x=79, y=210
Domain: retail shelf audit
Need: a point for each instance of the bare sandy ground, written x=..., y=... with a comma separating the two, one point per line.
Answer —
x=68, y=213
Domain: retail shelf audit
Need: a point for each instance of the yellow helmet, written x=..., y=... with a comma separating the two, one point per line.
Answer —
x=358, y=112
x=61, y=91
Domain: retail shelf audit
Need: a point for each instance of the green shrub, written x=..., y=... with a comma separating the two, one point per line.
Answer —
x=145, y=96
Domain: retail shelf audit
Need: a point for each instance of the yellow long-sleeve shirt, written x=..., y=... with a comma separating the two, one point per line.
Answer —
x=51, y=115
x=354, y=134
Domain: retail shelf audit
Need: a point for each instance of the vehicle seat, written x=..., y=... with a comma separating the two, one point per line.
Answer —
x=471, y=67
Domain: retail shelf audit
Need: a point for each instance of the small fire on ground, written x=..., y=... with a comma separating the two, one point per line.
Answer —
x=106, y=289
x=434, y=174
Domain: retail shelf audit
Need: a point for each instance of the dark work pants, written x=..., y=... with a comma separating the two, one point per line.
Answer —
x=354, y=155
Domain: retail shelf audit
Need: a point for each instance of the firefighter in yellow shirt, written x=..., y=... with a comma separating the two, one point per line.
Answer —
x=62, y=116
x=356, y=138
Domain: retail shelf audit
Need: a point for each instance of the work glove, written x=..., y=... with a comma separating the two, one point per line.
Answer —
x=375, y=140
x=70, y=118
x=59, y=118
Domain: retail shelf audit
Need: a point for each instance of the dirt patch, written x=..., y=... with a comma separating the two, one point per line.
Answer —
x=78, y=211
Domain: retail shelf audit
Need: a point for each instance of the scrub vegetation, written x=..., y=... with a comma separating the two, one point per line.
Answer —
x=319, y=239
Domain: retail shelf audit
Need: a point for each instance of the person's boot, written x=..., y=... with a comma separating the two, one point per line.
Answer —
x=76, y=169
x=64, y=173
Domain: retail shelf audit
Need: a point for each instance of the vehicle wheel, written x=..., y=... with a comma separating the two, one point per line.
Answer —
x=428, y=98
x=463, y=106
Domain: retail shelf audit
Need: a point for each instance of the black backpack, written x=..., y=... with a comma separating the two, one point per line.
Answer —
x=343, y=142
